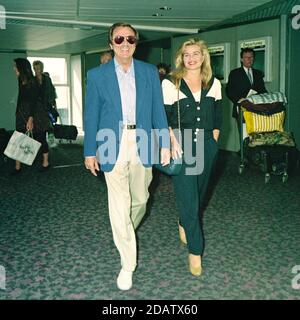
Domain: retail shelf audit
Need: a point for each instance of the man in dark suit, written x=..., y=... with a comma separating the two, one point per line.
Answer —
x=123, y=105
x=242, y=79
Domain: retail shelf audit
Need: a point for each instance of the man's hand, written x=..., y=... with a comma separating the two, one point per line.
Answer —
x=164, y=156
x=91, y=164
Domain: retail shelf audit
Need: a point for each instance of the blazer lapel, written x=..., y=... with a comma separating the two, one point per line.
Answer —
x=113, y=87
x=140, y=87
x=184, y=88
x=255, y=76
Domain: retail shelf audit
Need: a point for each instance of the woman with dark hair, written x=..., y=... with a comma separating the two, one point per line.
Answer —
x=29, y=116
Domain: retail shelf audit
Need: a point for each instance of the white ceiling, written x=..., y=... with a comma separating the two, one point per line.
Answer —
x=71, y=26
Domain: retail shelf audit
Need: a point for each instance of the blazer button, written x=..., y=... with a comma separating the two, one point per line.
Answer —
x=198, y=119
x=198, y=108
x=195, y=140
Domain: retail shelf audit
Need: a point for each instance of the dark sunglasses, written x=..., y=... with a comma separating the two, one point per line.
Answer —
x=129, y=39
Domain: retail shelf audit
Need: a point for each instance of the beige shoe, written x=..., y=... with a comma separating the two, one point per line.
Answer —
x=195, y=270
x=124, y=281
x=182, y=234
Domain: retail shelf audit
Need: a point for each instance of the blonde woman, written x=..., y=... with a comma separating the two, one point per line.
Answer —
x=199, y=96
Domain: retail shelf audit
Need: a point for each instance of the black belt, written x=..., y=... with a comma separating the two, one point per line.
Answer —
x=129, y=126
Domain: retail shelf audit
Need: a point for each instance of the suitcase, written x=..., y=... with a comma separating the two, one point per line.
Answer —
x=65, y=132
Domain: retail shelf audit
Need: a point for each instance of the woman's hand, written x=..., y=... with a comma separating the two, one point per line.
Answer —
x=29, y=124
x=164, y=156
x=176, y=150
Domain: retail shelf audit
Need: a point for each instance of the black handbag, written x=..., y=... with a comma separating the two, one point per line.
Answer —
x=174, y=167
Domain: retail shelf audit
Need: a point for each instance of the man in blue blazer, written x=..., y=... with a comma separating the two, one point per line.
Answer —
x=123, y=105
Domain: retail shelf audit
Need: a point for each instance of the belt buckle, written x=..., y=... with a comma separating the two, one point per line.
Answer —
x=130, y=126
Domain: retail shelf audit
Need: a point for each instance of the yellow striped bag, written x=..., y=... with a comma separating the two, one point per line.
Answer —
x=259, y=123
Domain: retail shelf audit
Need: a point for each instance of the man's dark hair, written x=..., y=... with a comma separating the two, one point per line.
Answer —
x=163, y=65
x=245, y=50
x=121, y=24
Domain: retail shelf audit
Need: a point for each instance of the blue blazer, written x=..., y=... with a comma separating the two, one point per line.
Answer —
x=103, y=114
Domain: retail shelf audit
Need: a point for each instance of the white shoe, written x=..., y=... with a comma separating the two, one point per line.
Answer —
x=124, y=281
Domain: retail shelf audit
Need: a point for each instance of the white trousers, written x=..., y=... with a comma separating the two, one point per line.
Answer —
x=127, y=186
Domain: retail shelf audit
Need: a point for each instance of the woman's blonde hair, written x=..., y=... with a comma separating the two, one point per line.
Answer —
x=180, y=71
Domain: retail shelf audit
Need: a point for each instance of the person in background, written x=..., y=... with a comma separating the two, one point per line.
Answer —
x=243, y=79
x=53, y=115
x=45, y=101
x=198, y=93
x=27, y=99
x=163, y=70
x=105, y=56
x=124, y=95
x=53, y=95
x=28, y=113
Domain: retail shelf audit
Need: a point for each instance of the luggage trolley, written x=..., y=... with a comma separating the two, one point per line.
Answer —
x=267, y=145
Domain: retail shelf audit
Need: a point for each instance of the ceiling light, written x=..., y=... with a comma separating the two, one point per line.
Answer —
x=82, y=27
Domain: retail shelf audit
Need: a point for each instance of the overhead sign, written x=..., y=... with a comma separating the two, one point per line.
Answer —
x=216, y=49
x=254, y=44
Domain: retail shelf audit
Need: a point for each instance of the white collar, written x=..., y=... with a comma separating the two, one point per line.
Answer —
x=246, y=69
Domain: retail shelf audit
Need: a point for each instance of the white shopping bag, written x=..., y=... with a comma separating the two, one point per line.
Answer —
x=22, y=147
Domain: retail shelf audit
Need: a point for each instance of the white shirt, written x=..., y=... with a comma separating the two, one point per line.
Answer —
x=126, y=82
